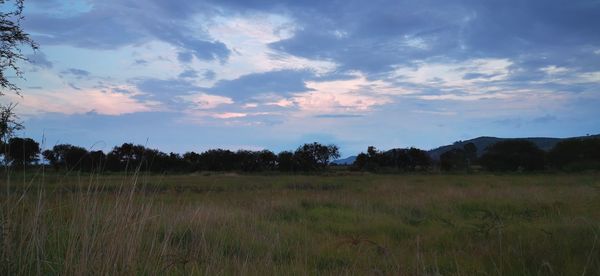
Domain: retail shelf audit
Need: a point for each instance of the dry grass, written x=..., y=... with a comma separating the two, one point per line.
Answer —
x=344, y=224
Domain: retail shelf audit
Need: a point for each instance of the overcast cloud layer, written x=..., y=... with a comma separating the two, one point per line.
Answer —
x=191, y=75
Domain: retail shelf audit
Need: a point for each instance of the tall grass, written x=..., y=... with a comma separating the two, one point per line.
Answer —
x=83, y=224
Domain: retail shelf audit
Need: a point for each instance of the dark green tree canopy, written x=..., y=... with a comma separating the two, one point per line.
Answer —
x=21, y=151
x=410, y=159
x=513, y=155
x=315, y=156
x=576, y=155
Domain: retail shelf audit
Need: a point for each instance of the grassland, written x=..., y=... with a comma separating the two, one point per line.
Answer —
x=362, y=224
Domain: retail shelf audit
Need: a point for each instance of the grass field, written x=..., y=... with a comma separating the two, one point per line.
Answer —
x=209, y=224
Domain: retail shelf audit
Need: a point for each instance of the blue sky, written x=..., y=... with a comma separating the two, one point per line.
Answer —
x=192, y=75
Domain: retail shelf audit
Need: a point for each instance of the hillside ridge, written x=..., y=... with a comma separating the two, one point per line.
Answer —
x=482, y=142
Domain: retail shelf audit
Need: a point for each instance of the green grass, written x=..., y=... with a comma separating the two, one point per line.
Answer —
x=209, y=224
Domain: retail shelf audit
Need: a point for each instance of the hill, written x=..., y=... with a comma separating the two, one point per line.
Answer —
x=345, y=161
x=544, y=143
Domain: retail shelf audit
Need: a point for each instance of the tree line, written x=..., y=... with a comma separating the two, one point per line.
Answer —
x=507, y=155
x=411, y=159
x=23, y=152
x=575, y=154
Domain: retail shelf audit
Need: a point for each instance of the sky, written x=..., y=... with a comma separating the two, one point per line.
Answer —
x=193, y=75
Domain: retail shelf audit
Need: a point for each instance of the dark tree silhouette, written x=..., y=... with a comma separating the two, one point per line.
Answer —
x=66, y=156
x=315, y=156
x=13, y=37
x=470, y=154
x=410, y=159
x=513, y=155
x=576, y=155
x=459, y=159
x=22, y=152
x=419, y=159
x=454, y=159
x=52, y=158
x=286, y=161
x=9, y=122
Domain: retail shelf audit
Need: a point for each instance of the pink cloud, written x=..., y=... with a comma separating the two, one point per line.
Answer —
x=70, y=101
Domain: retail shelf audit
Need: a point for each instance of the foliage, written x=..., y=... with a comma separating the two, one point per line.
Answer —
x=509, y=155
x=286, y=161
x=459, y=159
x=21, y=151
x=12, y=37
x=513, y=155
x=130, y=157
x=314, y=157
x=72, y=157
x=9, y=122
x=454, y=159
x=411, y=159
x=224, y=224
x=576, y=154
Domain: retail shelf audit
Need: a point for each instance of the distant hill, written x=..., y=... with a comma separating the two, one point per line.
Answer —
x=345, y=161
x=544, y=143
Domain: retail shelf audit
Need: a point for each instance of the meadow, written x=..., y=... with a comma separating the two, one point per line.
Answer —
x=328, y=224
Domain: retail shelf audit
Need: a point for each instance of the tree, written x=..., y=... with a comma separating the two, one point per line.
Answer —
x=13, y=37
x=193, y=161
x=315, y=156
x=361, y=162
x=268, y=159
x=97, y=160
x=459, y=159
x=22, y=152
x=52, y=158
x=67, y=156
x=575, y=155
x=285, y=161
x=410, y=159
x=8, y=125
x=454, y=159
x=419, y=159
x=8, y=121
x=470, y=154
x=513, y=155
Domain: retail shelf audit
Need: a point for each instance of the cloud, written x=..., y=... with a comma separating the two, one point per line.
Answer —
x=114, y=24
x=140, y=62
x=378, y=37
x=185, y=57
x=454, y=73
x=167, y=91
x=71, y=100
x=206, y=101
x=39, y=59
x=282, y=82
x=349, y=95
x=80, y=73
x=338, y=116
x=229, y=115
x=188, y=74
x=209, y=75
x=456, y=80
x=553, y=70
x=294, y=66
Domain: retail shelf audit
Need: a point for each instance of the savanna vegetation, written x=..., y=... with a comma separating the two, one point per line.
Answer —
x=332, y=224
x=135, y=210
x=511, y=155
